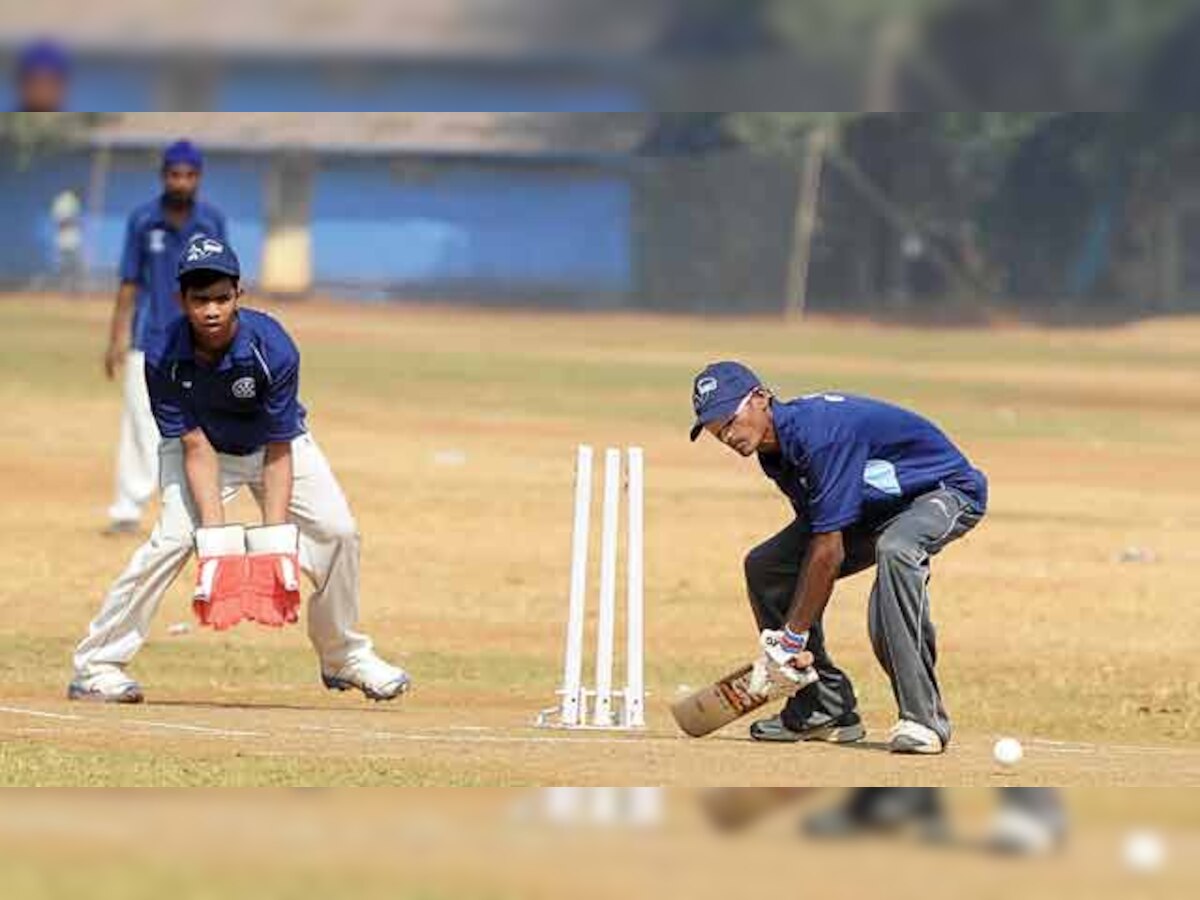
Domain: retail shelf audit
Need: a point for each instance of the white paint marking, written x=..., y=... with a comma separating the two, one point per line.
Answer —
x=16, y=711
x=196, y=729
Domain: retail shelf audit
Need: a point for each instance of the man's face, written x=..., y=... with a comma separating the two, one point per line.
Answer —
x=211, y=311
x=749, y=428
x=42, y=91
x=180, y=183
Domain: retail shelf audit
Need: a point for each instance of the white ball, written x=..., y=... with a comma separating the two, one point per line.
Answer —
x=1144, y=851
x=1008, y=751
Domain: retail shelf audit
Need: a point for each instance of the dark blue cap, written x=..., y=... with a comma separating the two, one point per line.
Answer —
x=43, y=56
x=208, y=254
x=183, y=153
x=718, y=391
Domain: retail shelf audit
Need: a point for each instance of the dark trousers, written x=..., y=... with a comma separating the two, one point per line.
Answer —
x=901, y=629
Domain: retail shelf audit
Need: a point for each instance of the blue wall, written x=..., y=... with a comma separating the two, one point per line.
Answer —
x=513, y=228
x=475, y=228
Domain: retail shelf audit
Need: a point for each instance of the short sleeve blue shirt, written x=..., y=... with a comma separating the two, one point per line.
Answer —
x=248, y=400
x=853, y=460
x=149, y=260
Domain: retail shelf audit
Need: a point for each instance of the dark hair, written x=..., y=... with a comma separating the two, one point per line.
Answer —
x=199, y=279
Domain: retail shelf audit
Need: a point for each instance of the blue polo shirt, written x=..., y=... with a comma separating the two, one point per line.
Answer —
x=149, y=260
x=245, y=401
x=849, y=460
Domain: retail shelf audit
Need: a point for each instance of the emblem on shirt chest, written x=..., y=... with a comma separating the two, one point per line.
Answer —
x=156, y=240
x=244, y=388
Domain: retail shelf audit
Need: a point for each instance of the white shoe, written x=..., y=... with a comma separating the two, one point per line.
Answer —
x=377, y=679
x=907, y=736
x=1026, y=832
x=106, y=685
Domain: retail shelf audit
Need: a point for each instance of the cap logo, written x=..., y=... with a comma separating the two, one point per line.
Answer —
x=203, y=249
x=704, y=386
x=244, y=388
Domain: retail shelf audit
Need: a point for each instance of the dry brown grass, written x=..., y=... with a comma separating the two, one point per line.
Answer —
x=1088, y=436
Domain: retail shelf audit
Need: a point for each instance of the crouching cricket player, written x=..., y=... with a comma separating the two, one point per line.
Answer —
x=223, y=390
x=871, y=484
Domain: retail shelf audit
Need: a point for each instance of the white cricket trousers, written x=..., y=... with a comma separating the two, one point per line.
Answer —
x=329, y=554
x=137, y=448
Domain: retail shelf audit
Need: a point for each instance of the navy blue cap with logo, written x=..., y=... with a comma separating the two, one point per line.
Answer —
x=718, y=391
x=208, y=254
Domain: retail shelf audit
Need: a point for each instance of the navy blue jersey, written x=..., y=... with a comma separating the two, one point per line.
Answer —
x=247, y=400
x=150, y=259
x=848, y=460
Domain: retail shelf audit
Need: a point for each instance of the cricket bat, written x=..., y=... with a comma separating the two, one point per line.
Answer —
x=731, y=809
x=715, y=706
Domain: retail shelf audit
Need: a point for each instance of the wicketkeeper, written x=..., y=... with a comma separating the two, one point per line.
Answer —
x=870, y=484
x=223, y=390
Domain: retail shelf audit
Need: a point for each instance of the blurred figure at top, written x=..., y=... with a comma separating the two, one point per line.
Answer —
x=42, y=76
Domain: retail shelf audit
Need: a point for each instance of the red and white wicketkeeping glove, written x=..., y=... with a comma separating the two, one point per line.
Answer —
x=273, y=588
x=220, y=575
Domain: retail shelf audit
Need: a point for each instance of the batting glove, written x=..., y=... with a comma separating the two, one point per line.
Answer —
x=788, y=665
x=273, y=587
x=220, y=575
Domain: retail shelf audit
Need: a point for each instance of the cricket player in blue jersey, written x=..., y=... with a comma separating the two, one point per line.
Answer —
x=145, y=310
x=870, y=484
x=223, y=387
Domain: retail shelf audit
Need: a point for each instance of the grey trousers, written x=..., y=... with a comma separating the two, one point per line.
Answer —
x=901, y=629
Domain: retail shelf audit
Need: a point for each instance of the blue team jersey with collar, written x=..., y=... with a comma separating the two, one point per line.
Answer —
x=848, y=460
x=247, y=400
x=150, y=259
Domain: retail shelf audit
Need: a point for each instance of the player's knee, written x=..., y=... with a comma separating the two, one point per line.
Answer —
x=894, y=549
x=338, y=531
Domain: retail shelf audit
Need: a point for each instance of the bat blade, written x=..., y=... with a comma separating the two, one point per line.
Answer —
x=731, y=809
x=713, y=707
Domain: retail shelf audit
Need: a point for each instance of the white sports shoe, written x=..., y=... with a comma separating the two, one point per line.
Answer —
x=907, y=736
x=377, y=679
x=106, y=685
x=1026, y=832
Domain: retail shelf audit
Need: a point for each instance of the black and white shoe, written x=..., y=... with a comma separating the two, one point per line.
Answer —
x=883, y=811
x=845, y=729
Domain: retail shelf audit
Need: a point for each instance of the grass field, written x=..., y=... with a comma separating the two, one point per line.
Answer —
x=1045, y=633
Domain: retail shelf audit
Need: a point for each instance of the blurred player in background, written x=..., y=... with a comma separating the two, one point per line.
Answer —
x=145, y=310
x=42, y=77
x=224, y=385
x=66, y=211
x=1029, y=821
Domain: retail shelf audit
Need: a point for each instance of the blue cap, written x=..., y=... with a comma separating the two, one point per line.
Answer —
x=183, y=153
x=718, y=391
x=208, y=254
x=43, y=56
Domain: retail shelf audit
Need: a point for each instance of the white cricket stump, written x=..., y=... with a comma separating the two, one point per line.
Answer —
x=600, y=705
